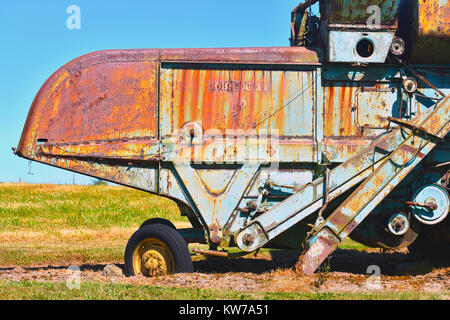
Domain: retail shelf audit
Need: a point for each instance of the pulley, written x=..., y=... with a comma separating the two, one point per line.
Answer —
x=430, y=204
x=398, y=224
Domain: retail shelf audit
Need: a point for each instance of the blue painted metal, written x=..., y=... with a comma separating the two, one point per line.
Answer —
x=343, y=46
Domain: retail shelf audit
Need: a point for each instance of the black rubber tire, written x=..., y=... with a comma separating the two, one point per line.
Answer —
x=170, y=237
x=160, y=221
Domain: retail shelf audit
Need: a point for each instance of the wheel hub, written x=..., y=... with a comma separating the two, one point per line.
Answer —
x=398, y=224
x=152, y=258
x=154, y=262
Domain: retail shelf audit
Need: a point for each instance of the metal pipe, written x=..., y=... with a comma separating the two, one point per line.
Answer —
x=223, y=254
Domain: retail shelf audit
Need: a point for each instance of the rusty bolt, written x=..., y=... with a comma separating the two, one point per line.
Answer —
x=410, y=85
x=398, y=46
x=398, y=224
x=431, y=204
x=248, y=239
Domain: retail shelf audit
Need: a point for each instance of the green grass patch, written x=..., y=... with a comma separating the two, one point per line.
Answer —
x=63, y=224
x=351, y=245
x=32, y=290
x=48, y=207
x=11, y=255
x=39, y=223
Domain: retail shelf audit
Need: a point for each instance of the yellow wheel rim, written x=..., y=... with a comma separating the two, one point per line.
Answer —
x=152, y=258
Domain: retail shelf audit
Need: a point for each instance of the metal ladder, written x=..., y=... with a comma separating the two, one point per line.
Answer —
x=379, y=168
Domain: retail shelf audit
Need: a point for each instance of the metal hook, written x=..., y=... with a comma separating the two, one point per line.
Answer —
x=29, y=168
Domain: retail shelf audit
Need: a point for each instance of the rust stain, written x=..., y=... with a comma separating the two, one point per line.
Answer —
x=434, y=17
x=338, y=121
x=433, y=32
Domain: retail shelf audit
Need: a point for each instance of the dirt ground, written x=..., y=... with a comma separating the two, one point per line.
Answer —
x=349, y=271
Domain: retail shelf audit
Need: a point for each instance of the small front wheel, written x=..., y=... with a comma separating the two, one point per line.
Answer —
x=157, y=250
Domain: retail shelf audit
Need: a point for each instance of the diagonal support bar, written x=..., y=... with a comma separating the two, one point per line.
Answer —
x=375, y=188
x=310, y=198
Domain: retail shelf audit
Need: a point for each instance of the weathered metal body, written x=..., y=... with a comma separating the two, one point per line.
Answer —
x=256, y=144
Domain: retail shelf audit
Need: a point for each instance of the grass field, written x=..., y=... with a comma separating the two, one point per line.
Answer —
x=68, y=224
x=54, y=225
x=77, y=224
x=32, y=290
x=49, y=208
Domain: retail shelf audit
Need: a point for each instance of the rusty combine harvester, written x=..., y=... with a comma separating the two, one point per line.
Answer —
x=343, y=134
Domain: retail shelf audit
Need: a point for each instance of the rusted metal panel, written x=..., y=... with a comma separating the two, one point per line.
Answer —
x=434, y=18
x=425, y=26
x=354, y=113
x=95, y=111
x=355, y=12
x=338, y=113
x=433, y=41
x=238, y=102
x=357, y=100
x=107, y=101
x=111, y=95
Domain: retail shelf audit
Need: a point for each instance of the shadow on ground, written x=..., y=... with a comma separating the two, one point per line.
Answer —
x=346, y=261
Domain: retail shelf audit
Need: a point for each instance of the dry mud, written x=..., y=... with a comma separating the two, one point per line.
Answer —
x=349, y=271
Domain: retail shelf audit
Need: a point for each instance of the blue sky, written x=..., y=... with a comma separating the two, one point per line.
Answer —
x=35, y=42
